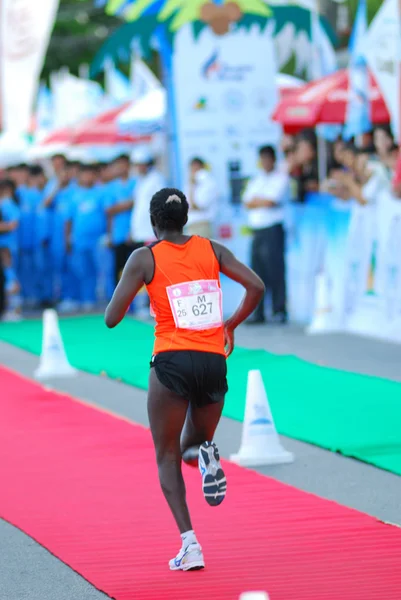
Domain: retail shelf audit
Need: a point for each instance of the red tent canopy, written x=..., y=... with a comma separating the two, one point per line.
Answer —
x=326, y=101
x=111, y=115
x=101, y=130
x=91, y=135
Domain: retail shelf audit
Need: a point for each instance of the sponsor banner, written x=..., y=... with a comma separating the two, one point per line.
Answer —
x=224, y=96
x=25, y=31
x=376, y=309
x=361, y=261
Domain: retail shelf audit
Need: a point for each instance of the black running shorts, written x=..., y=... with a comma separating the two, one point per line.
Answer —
x=200, y=377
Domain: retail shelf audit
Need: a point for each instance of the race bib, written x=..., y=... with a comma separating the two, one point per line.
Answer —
x=196, y=304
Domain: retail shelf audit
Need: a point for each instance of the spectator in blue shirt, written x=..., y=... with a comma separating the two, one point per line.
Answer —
x=10, y=214
x=60, y=205
x=59, y=163
x=41, y=238
x=84, y=229
x=19, y=174
x=119, y=209
x=105, y=183
x=26, y=264
x=9, y=222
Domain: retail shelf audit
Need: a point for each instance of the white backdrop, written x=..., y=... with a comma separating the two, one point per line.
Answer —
x=224, y=97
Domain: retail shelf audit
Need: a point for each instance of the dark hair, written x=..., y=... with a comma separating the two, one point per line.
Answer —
x=7, y=184
x=386, y=128
x=169, y=210
x=198, y=161
x=123, y=157
x=268, y=151
x=36, y=170
x=58, y=155
x=350, y=147
x=394, y=148
x=88, y=167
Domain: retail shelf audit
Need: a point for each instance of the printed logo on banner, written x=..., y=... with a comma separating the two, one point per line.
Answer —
x=260, y=98
x=234, y=100
x=201, y=104
x=233, y=131
x=211, y=66
x=216, y=70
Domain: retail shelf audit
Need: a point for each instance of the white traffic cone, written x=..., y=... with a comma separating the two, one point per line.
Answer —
x=260, y=444
x=53, y=360
x=254, y=596
x=322, y=318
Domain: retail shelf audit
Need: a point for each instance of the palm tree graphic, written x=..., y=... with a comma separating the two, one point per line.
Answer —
x=219, y=14
x=150, y=21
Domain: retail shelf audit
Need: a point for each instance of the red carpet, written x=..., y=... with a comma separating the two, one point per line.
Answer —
x=84, y=484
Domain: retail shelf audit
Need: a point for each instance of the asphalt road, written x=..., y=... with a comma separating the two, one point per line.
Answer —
x=29, y=572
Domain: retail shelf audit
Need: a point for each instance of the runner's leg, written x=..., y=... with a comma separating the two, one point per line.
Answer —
x=167, y=413
x=200, y=426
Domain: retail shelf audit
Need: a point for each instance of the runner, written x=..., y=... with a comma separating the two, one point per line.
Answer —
x=187, y=383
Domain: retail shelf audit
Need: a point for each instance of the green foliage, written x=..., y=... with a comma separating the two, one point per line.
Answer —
x=79, y=32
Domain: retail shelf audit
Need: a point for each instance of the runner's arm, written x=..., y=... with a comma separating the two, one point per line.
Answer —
x=137, y=271
x=254, y=289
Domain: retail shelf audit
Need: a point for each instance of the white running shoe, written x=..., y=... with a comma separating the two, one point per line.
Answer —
x=214, y=483
x=189, y=558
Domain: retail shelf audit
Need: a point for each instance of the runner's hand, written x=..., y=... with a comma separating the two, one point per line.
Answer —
x=228, y=340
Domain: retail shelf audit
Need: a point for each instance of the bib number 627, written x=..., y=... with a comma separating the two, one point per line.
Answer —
x=202, y=308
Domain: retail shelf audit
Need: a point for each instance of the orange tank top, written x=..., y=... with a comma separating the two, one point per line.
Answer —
x=185, y=297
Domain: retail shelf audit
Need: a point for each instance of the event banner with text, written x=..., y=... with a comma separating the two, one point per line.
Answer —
x=224, y=96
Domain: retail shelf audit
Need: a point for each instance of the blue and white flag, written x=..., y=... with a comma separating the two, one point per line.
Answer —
x=358, y=119
x=118, y=87
x=44, y=109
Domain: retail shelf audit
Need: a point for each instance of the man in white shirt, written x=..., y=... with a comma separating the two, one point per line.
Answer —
x=264, y=199
x=202, y=197
x=149, y=182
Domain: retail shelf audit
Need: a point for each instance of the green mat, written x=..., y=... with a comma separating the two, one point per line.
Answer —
x=356, y=415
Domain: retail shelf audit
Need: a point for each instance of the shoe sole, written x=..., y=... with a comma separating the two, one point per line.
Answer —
x=214, y=483
x=194, y=567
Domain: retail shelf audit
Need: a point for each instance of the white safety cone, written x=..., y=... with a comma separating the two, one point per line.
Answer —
x=53, y=360
x=260, y=444
x=254, y=596
x=322, y=318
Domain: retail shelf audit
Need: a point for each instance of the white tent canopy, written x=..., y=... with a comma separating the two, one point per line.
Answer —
x=147, y=114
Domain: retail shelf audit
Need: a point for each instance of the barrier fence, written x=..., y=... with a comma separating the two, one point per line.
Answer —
x=343, y=260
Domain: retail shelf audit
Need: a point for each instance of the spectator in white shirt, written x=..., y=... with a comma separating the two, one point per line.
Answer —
x=150, y=181
x=264, y=199
x=202, y=197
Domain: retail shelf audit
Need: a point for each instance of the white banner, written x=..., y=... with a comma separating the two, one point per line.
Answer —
x=383, y=54
x=25, y=31
x=363, y=263
x=225, y=92
x=377, y=306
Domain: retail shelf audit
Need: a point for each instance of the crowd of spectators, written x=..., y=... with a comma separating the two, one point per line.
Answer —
x=66, y=233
